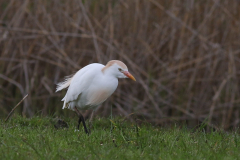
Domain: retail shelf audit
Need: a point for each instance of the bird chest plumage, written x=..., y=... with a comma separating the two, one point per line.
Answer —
x=98, y=93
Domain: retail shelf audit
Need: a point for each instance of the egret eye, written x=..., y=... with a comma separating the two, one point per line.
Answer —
x=120, y=69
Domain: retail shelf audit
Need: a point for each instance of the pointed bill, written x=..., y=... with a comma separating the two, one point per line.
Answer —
x=126, y=73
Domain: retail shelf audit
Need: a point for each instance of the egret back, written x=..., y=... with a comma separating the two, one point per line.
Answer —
x=79, y=84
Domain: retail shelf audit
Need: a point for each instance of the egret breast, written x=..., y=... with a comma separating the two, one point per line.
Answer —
x=98, y=96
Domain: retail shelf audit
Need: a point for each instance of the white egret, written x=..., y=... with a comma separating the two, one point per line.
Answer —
x=91, y=86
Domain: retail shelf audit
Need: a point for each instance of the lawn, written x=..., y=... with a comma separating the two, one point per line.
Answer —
x=37, y=138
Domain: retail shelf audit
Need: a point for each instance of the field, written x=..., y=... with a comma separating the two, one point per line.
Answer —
x=112, y=138
x=184, y=55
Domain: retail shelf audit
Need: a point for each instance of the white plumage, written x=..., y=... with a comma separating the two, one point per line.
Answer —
x=92, y=84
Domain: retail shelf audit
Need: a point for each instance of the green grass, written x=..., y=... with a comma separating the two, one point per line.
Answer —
x=36, y=138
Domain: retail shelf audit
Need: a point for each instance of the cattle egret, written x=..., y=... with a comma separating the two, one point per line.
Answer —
x=91, y=86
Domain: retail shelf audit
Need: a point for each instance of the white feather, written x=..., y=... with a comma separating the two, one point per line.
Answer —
x=78, y=84
x=91, y=85
x=65, y=84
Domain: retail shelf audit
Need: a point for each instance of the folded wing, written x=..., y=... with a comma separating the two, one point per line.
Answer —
x=78, y=83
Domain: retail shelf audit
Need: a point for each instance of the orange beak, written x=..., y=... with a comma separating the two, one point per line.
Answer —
x=126, y=73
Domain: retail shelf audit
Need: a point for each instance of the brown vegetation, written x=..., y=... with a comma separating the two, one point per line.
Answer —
x=184, y=55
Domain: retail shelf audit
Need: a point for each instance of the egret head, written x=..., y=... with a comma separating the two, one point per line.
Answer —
x=117, y=69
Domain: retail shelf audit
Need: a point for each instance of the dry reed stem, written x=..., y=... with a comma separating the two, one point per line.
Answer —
x=15, y=108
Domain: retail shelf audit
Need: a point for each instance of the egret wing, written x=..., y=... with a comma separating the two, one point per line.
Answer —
x=80, y=82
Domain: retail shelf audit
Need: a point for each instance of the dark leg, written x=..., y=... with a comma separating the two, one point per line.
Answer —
x=79, y=115
x=81, y=119
x=84, y=125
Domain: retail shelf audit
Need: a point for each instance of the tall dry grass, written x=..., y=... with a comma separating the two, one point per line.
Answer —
x=184, y=55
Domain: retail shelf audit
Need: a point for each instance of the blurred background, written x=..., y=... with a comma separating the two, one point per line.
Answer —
x=184, y=55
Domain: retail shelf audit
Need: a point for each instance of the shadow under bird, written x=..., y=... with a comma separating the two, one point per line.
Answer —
x=91, y=86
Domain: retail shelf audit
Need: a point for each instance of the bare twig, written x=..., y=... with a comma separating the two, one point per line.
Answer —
x=15, y=108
